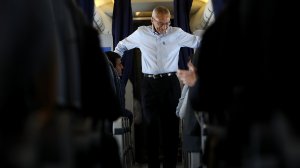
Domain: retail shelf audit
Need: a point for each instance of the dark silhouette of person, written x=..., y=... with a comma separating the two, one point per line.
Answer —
x=245, y=78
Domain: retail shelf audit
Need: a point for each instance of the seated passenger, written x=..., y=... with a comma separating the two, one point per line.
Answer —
x=117, y=68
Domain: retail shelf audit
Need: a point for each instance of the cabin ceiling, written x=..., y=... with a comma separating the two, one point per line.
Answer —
x=142, y=9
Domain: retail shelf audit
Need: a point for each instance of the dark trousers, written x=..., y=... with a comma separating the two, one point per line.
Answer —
x=159, y=101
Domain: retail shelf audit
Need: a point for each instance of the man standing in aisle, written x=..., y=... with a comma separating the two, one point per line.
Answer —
x=160, y=44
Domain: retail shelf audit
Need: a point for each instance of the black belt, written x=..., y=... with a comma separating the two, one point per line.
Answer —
x=162, y=75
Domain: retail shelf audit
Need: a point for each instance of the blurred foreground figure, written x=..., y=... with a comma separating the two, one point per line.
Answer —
x=51, y=68
x=247, y=82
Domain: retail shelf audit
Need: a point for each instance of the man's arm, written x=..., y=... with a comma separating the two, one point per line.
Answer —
x=188, y=40
x=128, y=43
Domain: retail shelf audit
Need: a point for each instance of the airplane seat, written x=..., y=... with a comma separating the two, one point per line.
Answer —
x=122, y=131
x=212, y=133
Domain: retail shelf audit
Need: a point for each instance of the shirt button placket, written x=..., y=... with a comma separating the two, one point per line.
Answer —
x=158, y=59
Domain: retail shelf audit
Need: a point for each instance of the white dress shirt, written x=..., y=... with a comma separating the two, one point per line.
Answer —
x=160, y=52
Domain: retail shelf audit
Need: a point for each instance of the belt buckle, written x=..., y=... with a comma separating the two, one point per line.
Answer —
x=156, y=76
x=150, y=76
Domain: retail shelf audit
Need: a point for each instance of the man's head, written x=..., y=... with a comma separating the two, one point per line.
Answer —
x=115, y=59
x=161, y=19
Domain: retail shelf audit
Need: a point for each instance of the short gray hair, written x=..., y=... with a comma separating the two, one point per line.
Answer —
x=161, y=10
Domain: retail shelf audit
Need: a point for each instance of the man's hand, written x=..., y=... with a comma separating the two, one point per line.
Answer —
x=188, y=77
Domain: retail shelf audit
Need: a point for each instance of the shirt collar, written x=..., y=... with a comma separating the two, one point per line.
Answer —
x=156, y=33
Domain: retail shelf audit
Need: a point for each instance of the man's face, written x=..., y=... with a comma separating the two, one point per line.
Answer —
x=161, y=22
